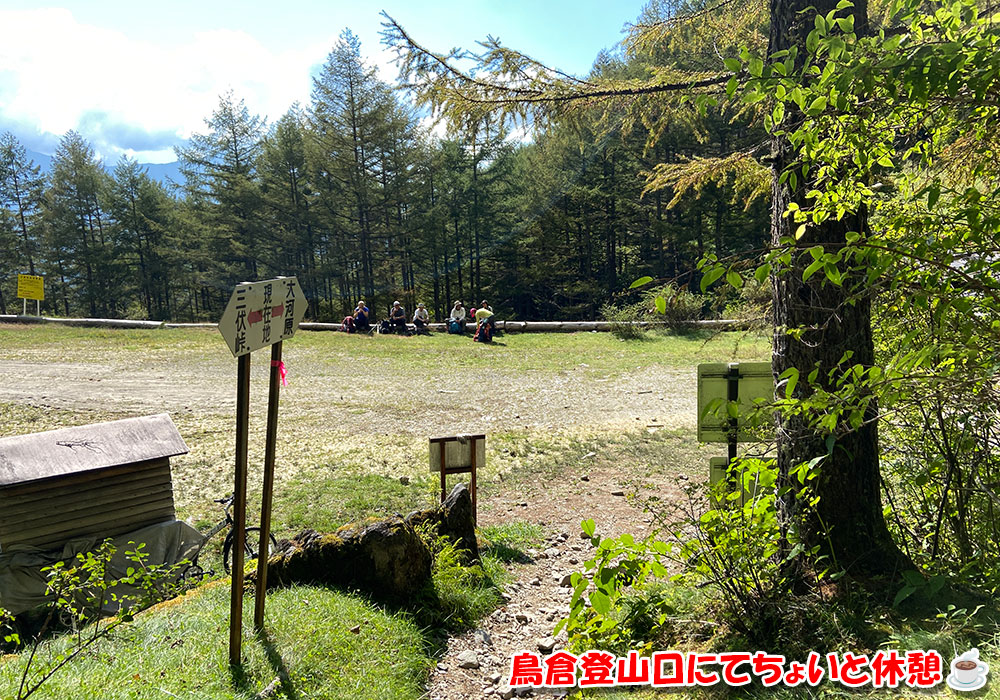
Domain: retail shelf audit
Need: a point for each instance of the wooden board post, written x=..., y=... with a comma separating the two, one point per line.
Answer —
x=239, y=509
x=258, y=314
x=274, y=389
x=448, y=456
x=728, y=396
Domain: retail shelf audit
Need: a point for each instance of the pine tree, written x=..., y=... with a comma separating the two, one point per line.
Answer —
x=21, y=188
x=83, y=258
x=144, y=215
x=223, y=197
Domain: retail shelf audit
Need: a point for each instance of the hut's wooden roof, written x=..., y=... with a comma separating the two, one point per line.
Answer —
x=54, y=453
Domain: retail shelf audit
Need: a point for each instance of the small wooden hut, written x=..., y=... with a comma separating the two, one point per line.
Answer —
x=99, y=480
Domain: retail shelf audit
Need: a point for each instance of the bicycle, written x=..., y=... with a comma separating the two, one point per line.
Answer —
x=250, y=544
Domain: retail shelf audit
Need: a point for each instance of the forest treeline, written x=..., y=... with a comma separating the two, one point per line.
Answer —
x=357, y=199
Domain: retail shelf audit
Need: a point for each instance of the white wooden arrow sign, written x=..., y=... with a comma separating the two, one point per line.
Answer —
x=262, y=313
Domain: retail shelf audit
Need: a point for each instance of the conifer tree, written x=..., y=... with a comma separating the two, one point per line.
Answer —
x=80, y=242
x=223, y=196
x=21, y=189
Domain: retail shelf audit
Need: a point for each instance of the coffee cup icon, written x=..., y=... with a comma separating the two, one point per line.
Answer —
x=968, y=672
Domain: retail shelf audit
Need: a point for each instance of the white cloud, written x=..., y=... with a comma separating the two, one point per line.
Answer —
x=57, y=71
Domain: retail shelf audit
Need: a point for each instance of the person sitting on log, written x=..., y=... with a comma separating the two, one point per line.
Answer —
x=456, y=319
x=397, y=318
x=361, y=322
x=420, y=319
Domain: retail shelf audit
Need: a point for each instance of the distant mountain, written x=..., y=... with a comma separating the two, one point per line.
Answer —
x=164, y=172
x=40, y=159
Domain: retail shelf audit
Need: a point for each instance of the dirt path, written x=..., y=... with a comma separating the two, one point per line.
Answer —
x=363, y=403
x=537, y=599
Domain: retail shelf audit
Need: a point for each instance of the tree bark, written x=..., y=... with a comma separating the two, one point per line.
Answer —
x=847, y=522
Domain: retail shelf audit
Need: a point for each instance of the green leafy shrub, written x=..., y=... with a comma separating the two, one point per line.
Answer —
x=79, y=592
x=626, y=321
x=663, y=308
x=460, y=591
x=673, y=308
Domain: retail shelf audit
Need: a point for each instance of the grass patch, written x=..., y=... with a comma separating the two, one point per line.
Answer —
x=509, y=542
x=180, y=649
x=324, y=503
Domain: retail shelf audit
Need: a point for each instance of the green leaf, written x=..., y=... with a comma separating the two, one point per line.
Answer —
x=661, y=305
x=712, y=275
x=733, y=64
x=600, y=602
x=792, y=375
x=734, y=279
x=588, y=526
x=779, y=112
x=817, y=107
x=904, y=593
x=933, y=193
x=762, y=273
x=641, y=281
x=756, y=67
x=814, y=266
x=833, y=274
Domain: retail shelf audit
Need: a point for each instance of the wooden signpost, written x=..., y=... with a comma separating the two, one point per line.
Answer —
x=727, y=395
x=458, y=454
x=258, y=314
x=31, y=287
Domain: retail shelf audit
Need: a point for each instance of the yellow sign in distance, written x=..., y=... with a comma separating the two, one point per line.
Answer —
x=31, y=287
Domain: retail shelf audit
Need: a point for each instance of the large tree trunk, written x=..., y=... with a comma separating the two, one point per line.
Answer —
x=847, y=522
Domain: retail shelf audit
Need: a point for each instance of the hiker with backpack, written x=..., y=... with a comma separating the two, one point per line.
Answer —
x=485, y=324
x=456, y=319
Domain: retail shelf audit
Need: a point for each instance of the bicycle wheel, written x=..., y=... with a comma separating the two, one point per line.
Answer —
x=252, y=541
x=193, y=575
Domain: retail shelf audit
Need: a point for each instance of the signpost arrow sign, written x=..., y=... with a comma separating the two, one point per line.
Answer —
x=259, y=314
x=262, y=313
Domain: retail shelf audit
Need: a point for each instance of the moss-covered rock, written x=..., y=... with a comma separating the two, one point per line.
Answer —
x=386, y=559
x=454, y=519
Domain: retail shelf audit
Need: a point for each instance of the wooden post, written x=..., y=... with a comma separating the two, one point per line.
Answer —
x=733, y=395
x=472, y=480
x=470, y=468
x=274, y=390
x=444, y=476
x=239, y=509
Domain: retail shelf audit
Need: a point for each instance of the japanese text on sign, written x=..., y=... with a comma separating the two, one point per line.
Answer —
x=31, y=287
x=248, y=323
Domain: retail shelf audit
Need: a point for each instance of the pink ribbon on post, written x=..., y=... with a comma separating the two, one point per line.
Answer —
x=281, y=370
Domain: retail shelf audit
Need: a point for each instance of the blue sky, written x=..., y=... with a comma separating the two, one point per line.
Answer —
x=139, y=77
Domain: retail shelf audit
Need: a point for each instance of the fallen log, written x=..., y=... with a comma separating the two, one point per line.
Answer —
x=505, y=326
x=83, y=322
